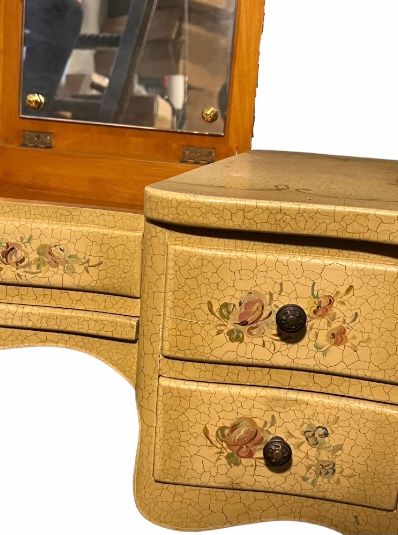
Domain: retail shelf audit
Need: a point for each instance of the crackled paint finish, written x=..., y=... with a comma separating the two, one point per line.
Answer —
x=280, y=378
x=345, y=466
x=71, y=248
x=69, y=299
x=99, y=324
x=222, y=298
x=192, y=507
x=287, y=193
x=70, y=277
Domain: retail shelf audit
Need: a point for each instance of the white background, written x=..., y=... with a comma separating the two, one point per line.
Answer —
x=68, y=424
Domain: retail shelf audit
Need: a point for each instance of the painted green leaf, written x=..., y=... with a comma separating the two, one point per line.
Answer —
x=337, y=448
x=73, y=258
x=210, y=307
x=354, y=317
x=235, y=335
x=206, y=433
x=70, y=268
x=40, y=262
x=233, y=459
x=98, y=264
x=313, y=294
x=226, y=310
x=349, y=290
x=42, y=249
x=273, y=420
x=221, y=433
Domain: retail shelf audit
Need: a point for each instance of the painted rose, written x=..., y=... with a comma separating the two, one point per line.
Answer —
x=253, y=312
x=244, y=437
x=315, y=436
x=12, y=254
x=56, y=255
x=338, y=336
x=323, y=307
x=325, y=469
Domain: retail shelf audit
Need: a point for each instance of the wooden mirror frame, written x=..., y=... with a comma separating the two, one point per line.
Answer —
x=106, y=165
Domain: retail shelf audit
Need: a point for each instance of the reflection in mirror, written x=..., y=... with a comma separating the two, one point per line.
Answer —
x=161, y=64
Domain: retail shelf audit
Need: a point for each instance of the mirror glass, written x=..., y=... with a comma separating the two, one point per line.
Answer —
x=161, y=64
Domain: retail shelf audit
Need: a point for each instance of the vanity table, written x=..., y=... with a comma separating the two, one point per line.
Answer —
x=252, y=304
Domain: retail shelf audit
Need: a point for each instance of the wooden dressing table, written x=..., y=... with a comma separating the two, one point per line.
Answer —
x=253, y=305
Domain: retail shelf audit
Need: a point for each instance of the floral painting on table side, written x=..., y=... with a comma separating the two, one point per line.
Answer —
x=26, y=259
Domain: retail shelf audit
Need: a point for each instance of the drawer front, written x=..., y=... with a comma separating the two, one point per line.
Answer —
x=221, y=306
x=69, y=299
x=98, y=324
x=71, y=254
x=213, y=435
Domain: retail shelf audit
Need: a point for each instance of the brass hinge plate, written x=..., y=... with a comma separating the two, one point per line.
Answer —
x=198, y=155
x=37, y=140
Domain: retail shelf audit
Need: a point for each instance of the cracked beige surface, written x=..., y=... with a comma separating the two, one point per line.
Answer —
x=359, y=434
x=268, y=191
x=70, y=248
x=69, y=299
x=72, y=321
x=213, y=388
x=220, y=272
x=70, y=277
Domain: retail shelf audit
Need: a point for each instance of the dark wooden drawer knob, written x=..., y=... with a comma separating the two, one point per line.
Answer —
x=277, y=452
x=291, y=319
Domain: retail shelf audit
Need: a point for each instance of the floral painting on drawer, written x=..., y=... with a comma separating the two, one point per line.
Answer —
x=230, y=311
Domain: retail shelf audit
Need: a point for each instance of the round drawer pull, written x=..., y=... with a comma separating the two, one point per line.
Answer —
x=277, y=452
x=291, y=319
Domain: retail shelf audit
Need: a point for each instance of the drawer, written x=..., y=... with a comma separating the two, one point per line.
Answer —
x=222, y=299
x=71, y=248
x=213, y=435
x=51, y=319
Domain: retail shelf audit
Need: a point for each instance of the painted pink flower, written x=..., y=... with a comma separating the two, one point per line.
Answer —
x=323, y=306
x=12, y=254
x=56, y=255
x=338, y=336
x=252, y=313
x=244, y=437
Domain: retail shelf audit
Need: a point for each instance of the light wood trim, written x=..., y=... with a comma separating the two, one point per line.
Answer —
x=96, y=161
x=53, y=176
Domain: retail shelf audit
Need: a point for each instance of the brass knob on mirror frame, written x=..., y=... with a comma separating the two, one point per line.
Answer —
x=35, y=101
x=210, y=114
x=277, y=453
x=291, y=319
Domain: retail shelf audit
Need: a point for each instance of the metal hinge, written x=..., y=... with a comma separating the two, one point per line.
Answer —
x=37, y=140
x=198, y=155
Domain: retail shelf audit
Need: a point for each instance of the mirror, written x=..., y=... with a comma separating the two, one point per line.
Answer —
x=162, y=64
